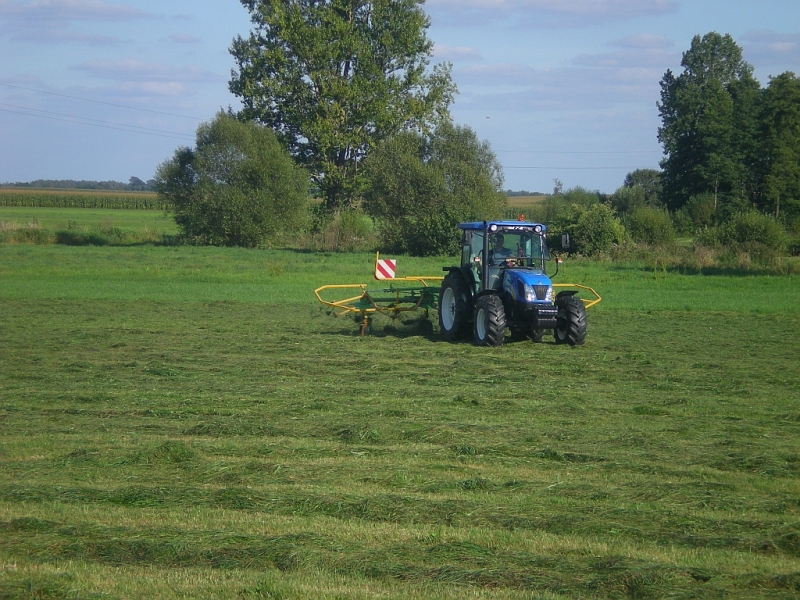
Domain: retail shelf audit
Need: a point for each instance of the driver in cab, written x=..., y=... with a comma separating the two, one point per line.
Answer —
x=499, y=252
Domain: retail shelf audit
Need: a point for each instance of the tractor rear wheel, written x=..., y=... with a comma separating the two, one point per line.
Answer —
x=454, y=307
x=571, y=321
x=490, y=321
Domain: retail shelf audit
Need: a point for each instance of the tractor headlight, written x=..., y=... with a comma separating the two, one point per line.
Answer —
x=530, y=295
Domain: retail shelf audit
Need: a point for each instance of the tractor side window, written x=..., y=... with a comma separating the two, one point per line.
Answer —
x=466, y=248
x=477, y=245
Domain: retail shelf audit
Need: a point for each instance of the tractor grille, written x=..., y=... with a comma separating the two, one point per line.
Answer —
x=544, y=317
x=540, y=291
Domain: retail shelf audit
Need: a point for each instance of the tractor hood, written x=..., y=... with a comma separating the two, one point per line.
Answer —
x=528, y=286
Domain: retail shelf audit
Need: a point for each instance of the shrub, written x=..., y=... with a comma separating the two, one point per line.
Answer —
x=238, y=187
x=349, y=231
x=650, y=225
x=753, y=228
x=594, y=229
x=628, y=199
x=702, y=208
x=682, y=222
x=582, y=196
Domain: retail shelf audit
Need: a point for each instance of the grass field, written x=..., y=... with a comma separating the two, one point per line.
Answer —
x=188, y=422
x=65, y=218
x=81, y=226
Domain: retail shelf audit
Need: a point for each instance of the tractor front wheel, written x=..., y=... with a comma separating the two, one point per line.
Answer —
x=454, y=309
x=571, y=321
x=490, y=321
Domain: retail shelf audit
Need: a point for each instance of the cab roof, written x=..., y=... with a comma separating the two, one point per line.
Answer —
x=484, y=225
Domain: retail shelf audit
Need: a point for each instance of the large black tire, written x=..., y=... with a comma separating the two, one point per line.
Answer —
x=490, y=321
x=571, y=321
x=454, y=307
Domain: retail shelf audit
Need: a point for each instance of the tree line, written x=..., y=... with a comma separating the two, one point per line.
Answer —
x=729, y=144
x=134, y=185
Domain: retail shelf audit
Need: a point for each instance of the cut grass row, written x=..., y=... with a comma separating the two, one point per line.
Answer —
x=187, y=422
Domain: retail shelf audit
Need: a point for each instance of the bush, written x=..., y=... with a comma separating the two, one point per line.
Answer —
x=682, y=222
x=349, y=231
x=582, y=196
x=239, y=187
x=753, y=228
x=594, y=229
x=628, y=199
x=701, y=208
x=650, y=225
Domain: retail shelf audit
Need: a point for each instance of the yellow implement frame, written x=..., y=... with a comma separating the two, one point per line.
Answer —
x=586, y=303
x=390, y=300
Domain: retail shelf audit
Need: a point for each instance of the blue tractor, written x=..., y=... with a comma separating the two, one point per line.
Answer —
x=502, y=284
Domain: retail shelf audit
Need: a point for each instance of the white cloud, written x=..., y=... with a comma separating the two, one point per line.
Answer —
x=623, y=59
x=52, y=21
x=153, y=88
x=184, y=38
x=51, y=35
x=564, y=13
x=455, y=53
x=138, y=71
x=643, y=40
x=770, y=49
x=68, y=10
x=492, y=74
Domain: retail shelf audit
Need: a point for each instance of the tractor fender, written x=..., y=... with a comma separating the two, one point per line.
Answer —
x=565, y=294
x=466, y=275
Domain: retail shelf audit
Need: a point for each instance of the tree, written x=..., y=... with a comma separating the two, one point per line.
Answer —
x=708, y=123
x=237, y=187
x=649, y=181
x=333, y=77
x=422, y=187
x=780, y=121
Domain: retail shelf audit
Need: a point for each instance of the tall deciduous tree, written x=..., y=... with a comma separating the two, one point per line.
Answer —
x=708, y=127
x=237, y=187
x=780, y=120
x=331, y=77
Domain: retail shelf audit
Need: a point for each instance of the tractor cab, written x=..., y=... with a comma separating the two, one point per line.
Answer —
x=490, y=250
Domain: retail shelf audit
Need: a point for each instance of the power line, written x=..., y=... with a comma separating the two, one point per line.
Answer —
x=133, y=128
x=157, y=112
x=581, y=168
x=72, y=120
x=577, y=152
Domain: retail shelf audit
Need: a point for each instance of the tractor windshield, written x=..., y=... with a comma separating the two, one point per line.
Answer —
x=521, y=247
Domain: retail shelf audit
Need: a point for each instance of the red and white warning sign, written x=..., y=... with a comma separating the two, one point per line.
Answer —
x=385, y=268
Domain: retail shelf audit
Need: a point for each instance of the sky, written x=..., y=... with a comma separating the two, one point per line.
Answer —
x=562, y=89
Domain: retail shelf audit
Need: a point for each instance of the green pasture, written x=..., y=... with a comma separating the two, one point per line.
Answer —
x=188, y=422
x=85, y=226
